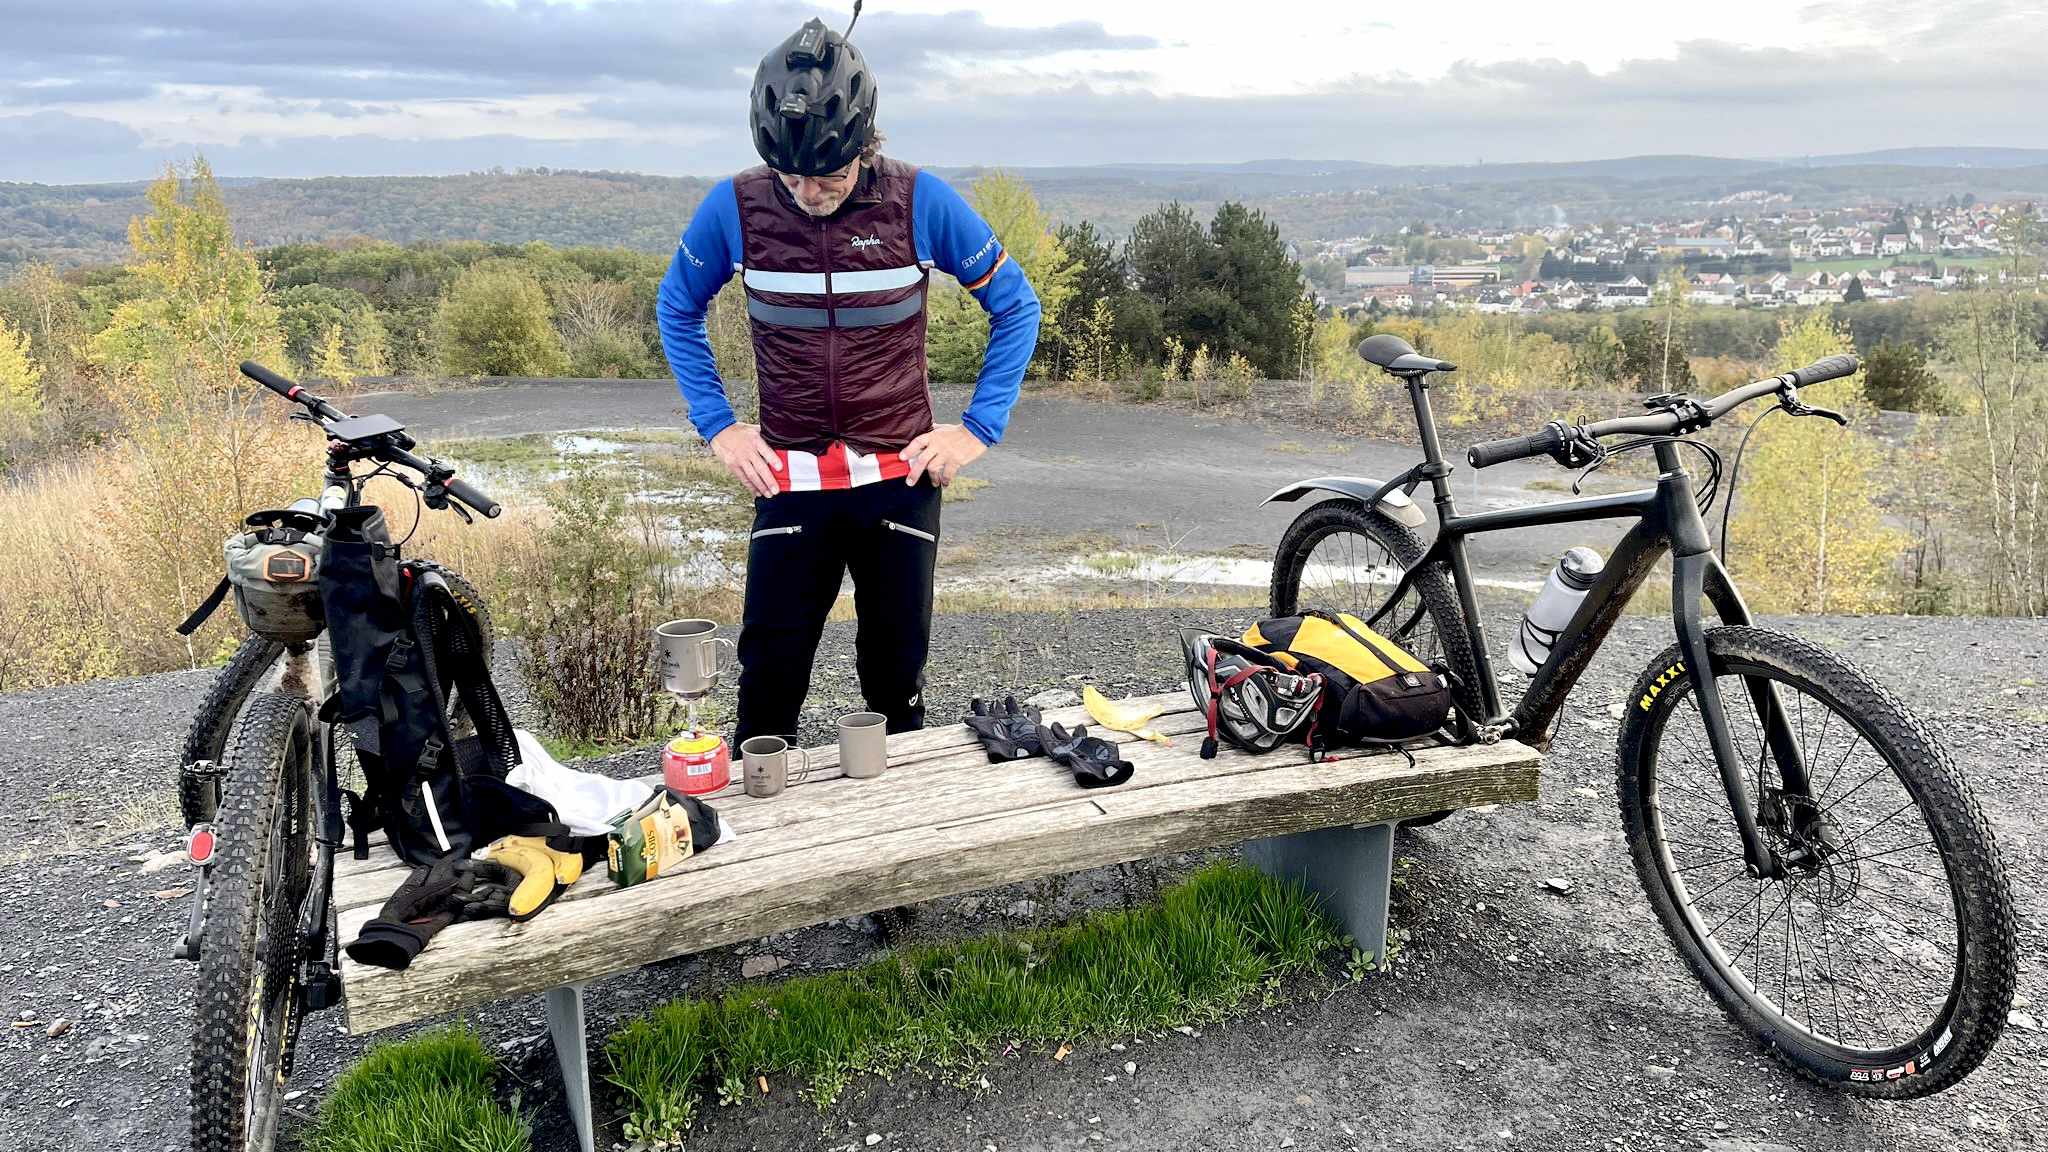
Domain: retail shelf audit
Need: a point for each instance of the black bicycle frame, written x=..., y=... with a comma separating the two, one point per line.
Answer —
x=1667, y=521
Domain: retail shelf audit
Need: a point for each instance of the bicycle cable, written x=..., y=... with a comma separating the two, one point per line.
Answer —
x=1734, y=474
x=1703, y=500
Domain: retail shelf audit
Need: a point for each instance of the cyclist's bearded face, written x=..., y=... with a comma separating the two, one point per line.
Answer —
x=822, y=195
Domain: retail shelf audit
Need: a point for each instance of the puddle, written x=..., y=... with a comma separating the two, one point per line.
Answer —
x=577, y=444
x=1230, y=571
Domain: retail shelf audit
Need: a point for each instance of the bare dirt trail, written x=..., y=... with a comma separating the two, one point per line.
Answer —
x=1145, y=476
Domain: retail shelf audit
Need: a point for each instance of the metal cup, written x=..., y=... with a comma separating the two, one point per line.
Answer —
x=688, y=653
x=863, y=744
x=766, y=764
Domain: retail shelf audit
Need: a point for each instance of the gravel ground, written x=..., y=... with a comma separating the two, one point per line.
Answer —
x=1512, y=1016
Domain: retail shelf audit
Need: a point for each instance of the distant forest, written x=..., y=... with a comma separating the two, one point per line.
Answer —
x=72, y=225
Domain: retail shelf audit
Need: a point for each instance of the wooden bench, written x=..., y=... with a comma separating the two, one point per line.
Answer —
x=941, y=820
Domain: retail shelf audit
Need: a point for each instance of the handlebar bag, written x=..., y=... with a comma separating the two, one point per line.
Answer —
x=274, y=570
x=1374, y=691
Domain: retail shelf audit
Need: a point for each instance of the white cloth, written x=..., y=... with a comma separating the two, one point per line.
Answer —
x=585, y=801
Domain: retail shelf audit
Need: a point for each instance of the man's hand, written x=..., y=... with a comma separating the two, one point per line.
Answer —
x=747, y=456
x=943, y=452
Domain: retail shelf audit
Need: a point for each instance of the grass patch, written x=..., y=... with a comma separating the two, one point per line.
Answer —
x=529, y=451
x=963, y=488
x=425, y=1094
x=1226, y=935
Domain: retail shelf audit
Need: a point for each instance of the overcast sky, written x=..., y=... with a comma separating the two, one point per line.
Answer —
x=110, y=89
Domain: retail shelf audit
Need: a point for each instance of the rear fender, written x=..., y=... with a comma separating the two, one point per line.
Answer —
x=1395, y=503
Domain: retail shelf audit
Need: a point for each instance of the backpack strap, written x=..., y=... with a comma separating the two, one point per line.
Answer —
x=206, y=608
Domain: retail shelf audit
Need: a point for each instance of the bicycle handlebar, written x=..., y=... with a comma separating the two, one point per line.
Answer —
x=1557, y=437
x=435, y=472
x=1491, y=452
x=291, y=391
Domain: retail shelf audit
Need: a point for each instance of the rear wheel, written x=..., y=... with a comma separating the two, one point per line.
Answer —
x=247, y=994
x=1883, y=962
x=1340, y=556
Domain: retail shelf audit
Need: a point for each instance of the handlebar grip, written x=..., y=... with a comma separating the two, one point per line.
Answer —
x=1491, y=452
x=269, y=379
x=1831, y=368
x=462, y=490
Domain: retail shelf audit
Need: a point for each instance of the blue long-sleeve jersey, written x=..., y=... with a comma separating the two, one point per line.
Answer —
x=948, y=235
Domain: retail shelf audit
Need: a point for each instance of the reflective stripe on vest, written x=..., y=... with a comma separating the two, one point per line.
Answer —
x=813, y=283
x=791, y=317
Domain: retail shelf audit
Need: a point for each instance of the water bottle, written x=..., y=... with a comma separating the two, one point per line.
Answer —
x=1554, y=608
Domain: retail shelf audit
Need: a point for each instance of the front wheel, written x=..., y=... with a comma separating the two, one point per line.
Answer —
x=1882, y=962
x=247, y=994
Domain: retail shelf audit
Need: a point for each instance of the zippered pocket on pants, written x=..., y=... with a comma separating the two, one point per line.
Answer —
x=907, y=530
x=791, y=530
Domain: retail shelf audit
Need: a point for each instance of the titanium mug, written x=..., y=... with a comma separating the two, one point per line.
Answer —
x=863, y=744
x=688, y=654
x=766, y=760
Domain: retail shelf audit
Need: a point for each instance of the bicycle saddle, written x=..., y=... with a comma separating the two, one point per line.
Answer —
x=1397, y=356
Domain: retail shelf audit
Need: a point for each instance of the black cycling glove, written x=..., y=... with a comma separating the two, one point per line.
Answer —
x=432, y=897
x=1093, y=760
x=1008, y=731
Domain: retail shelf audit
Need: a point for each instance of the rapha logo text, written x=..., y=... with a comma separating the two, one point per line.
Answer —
x=866, y=241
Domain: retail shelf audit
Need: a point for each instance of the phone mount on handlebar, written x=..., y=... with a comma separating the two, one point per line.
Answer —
x=356, y=429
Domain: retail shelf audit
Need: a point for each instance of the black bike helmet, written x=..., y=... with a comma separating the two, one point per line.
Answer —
x=1247, y=697
x=814, y=103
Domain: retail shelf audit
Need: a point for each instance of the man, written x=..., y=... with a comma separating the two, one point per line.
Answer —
x=834, y=243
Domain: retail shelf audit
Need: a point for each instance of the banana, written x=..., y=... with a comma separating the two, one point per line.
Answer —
x=543, y=872
x=1123, y=715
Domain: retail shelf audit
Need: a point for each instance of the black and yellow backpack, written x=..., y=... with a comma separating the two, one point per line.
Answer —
x=1373, y=691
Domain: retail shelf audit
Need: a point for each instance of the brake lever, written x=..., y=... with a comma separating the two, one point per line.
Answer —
x=1794, y=406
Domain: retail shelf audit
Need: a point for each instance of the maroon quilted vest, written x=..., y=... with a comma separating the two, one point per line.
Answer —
x=837, y=309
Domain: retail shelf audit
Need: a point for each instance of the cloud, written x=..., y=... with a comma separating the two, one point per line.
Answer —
x=394, y=49
x=629, y=84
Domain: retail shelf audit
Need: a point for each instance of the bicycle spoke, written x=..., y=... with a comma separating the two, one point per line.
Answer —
x=1854, y=944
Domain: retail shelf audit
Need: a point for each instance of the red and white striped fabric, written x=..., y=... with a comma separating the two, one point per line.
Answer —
x=835, y=468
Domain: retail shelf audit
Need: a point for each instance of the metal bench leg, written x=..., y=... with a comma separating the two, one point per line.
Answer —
x=1351, y=868
x=565, y=1028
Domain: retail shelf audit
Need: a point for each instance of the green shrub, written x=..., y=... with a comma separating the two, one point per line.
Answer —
x=429, y=1093
x=495, y=321
x=1213, y=941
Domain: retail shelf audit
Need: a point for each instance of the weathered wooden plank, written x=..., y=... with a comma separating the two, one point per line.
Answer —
x=905, y=748
x=944, y=782
x=470, y=963
x=843, y=809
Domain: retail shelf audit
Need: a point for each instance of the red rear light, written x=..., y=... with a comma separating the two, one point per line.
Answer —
x=199, y=844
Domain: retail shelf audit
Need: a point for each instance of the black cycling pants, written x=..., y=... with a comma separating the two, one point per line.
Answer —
x=803, y=543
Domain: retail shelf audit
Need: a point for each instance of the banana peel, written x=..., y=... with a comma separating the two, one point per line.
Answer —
x=544, y=872
x=1132, y=716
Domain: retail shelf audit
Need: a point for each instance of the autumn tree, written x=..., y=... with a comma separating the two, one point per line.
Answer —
x=956, y=326
x=1808, y=535
x=21, y=387
x=200, y=447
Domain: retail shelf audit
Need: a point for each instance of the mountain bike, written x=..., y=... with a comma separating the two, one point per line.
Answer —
x=261, y=792
x=1807, y=843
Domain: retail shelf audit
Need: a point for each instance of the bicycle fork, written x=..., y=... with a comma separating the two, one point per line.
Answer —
x=1696, y=575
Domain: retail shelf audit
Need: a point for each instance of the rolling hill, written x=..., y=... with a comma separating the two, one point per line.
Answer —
x=87, y=224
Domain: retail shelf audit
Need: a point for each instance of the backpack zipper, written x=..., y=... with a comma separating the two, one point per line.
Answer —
x=906, y=529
